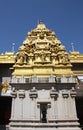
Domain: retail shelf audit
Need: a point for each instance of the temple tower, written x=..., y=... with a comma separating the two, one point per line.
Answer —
x=43, y=85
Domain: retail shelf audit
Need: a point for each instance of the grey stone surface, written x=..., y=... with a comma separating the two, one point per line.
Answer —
x=27, y=108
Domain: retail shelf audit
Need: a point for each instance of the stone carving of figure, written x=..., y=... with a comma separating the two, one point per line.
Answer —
x=43, y=56
x=55, y=48
x=63, y=58
x=21, y=58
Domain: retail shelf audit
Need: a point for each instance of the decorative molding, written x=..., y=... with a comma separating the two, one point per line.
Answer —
x=21, y=93
x=65, y=94
x=14, y=94
x=73, y=93
x=33, y=93
x=53, y=93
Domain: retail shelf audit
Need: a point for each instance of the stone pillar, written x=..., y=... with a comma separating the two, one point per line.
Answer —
x=33, y=96
x=54, y=95
x=56, y=108
x=48, y=111
x=53, y=108
x=38, y=112
x=14, y=95
x=73, y=108
x=65, y=95
x=21, y=94
x=33, y=108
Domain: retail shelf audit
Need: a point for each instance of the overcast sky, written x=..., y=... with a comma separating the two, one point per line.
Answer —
x=64, y=17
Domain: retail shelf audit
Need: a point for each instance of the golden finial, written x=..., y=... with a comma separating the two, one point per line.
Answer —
x=40, y=22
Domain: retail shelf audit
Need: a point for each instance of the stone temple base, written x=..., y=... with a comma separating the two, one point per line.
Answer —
x=44, y=107
x=44, y=126
x=68, y=128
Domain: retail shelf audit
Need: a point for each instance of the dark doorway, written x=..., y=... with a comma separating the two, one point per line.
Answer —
x=5, y=109
x=43, y=112
x=79, y=107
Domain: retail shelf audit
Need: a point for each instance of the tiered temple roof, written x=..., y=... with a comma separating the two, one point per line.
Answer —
x=41, y=54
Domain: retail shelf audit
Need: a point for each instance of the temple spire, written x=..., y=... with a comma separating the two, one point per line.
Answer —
x=42, y=47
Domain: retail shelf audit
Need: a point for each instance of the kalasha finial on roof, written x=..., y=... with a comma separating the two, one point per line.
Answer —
x=40, y=22
x=41, y=25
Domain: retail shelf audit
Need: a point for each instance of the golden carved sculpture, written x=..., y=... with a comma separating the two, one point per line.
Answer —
x=41, y=47
x=4, y=86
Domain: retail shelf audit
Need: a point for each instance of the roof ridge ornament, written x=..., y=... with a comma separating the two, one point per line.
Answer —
x=41, y=25
x=40, y=22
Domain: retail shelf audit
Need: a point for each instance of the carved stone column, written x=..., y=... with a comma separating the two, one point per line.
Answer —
x=33, y=95
x=14, y=95
x=21, y=94
x=65, y=95
x=73, y=95
x=54, y=95
x=48, y=112
x=38, y=111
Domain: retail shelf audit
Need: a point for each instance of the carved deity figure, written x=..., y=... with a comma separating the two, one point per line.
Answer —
x=21, y=57
x=43, y=56
x=63, y=58
x=55, y=48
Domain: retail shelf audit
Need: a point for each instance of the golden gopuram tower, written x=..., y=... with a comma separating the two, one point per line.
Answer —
x=43, y=84
x=41, y=55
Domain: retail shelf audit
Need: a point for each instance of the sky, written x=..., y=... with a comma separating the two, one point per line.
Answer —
x=18, y=17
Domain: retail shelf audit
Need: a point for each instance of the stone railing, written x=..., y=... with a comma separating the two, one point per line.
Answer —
x=51, y=79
